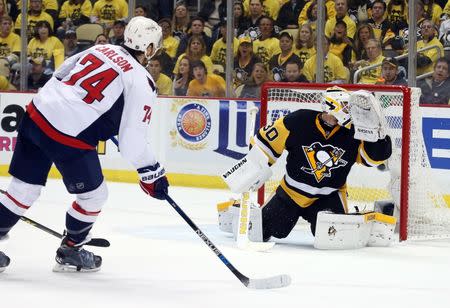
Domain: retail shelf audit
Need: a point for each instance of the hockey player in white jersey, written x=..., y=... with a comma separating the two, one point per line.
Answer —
x=95, y=95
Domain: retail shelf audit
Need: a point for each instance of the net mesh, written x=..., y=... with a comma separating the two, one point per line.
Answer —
x=427, y=212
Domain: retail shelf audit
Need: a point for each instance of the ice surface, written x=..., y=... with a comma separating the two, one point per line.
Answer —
x=156, y=260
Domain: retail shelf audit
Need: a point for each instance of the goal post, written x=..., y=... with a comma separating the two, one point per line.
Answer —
x=408, y=181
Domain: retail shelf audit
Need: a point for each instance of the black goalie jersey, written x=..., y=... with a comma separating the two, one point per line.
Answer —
x=319, y=158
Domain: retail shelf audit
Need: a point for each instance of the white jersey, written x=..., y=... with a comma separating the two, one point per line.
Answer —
x=95, y=95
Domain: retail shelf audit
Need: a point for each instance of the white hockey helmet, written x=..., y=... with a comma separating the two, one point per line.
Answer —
x=335, y=103
x=140, y=33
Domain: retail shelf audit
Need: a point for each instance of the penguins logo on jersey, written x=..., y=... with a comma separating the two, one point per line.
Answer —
x=322, y=159
x=278, y=73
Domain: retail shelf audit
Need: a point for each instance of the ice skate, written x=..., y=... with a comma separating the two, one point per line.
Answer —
x=4, y=261
x=73, y=258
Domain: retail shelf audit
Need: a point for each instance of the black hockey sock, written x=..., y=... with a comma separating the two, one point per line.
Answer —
x=77, y=230
x=7, y=220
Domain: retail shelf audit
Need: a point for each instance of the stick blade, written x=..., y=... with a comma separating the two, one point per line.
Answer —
x=99, y=242
x=279, y=281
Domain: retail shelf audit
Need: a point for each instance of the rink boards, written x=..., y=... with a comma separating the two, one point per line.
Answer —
x=197, y=138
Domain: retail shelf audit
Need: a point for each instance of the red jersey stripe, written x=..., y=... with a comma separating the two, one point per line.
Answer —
x=51, y=132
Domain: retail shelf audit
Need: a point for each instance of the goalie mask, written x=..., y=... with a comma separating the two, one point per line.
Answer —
x=335, y=103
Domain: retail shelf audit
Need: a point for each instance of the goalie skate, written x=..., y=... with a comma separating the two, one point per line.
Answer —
x=4, y=261
x=76, y=259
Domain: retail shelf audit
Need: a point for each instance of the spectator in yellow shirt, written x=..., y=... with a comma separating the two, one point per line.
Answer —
x=10, y=44
x=341, y=45
x=427, y=59
x=267, y=45
x=341, y=14
x=196, y=50
x=47, y=46
x=305, y=43
x=35, y=14
x=447, y=8
x=74, y=13
x=5, y=76
x=204, y=84
x=271, y=7
x=310, y=9
x=432, y=11
x=5, y=85
x=219, y=49
x=105, y=12
x=375, y=56
x=163, y=82
x=49, y=6
x=334, y=70
x=397, y=12
x=170, y=43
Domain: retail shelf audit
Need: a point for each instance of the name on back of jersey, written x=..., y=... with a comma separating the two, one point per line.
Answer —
x=121, y=62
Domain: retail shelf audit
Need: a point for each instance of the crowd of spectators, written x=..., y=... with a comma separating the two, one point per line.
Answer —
x=273, y=40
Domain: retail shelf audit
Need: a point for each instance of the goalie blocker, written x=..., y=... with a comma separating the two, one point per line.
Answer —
x=249, y=173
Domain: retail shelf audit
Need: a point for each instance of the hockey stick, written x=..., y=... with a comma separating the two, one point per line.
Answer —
x=242, y=239
x=243, y=242
x=99, y=242
x=278, y=281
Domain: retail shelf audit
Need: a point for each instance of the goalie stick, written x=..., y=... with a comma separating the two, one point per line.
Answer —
x=242, y=239
x=273, y=282
x=98, y=242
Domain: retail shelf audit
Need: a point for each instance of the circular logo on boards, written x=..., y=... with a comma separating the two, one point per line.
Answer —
x=193, y=122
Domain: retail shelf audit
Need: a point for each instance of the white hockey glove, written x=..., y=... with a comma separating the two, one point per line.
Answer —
x=367, y=116
x=249, y=173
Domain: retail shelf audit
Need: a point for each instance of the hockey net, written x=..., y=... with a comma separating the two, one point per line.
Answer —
x=407, y=181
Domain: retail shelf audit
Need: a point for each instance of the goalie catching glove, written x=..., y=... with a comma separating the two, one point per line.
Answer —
x=367, y=116
x=154, y=181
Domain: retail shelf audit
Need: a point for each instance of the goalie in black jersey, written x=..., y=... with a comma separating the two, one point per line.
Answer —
x=321, y=149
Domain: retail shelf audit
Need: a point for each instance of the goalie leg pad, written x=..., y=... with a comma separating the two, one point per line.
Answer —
x=226, y=211
x=382, y=231
x=255, y=225
x=341, y=231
